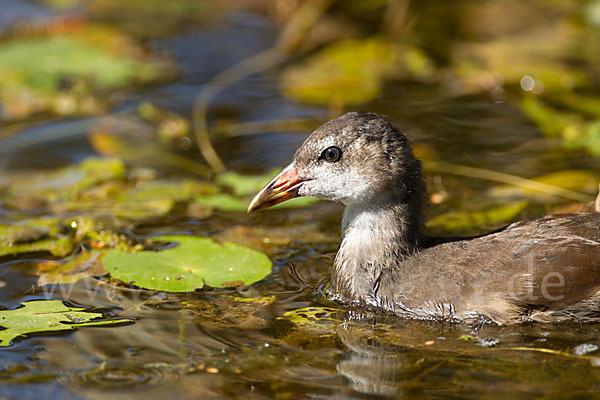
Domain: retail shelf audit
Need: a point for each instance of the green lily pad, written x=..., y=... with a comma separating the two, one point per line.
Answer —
x=46, y=316
x=464, y=220
x=192, y=264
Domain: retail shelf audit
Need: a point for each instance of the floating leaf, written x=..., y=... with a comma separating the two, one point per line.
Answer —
x=223, y=202
x=246, y=185
x=43, y=62
x=346, y=72
x=31, y=236
x=191, y=264
x=46, y=316
x=464, y=220
x=58, y=246
x=59, y=73
x=28, y=230
x=153, y=199
x=551, y=122
x=584, y=137
x=227, y=202
x=592, y=13
x=576, y=132
x=588, y=105
x=65, y=184
x=514, y=57
x=97, y=187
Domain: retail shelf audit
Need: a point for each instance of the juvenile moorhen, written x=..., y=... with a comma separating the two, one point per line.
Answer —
x=546, y=269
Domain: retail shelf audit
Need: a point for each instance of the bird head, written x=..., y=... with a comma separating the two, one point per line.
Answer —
x=356, y=158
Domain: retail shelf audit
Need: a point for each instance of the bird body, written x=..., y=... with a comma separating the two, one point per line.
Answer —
x=546, y=269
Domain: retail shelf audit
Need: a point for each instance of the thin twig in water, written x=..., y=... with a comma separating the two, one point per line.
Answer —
x=543, y=350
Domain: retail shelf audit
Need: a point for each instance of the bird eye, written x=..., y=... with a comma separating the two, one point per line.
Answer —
x=331, y=154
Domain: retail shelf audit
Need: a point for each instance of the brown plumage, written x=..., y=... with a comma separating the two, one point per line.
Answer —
x=546, y=269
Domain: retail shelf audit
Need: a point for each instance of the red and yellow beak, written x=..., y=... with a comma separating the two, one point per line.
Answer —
x=281, y=188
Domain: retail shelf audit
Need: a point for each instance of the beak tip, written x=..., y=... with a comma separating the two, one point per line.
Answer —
x=282, y=187
x=254, y=205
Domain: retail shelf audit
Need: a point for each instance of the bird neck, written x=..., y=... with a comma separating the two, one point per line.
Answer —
x=375, y=236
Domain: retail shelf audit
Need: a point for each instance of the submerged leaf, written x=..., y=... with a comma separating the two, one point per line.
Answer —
x=262, y=301
x=45, y=316
x=191, y=264
x=319, y=318
x=84, y=265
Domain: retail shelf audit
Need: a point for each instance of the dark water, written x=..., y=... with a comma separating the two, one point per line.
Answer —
x=212, y=346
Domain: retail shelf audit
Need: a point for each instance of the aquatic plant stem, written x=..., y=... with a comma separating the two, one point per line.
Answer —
x=247, y=67
x=293, y=32
x=502, y=177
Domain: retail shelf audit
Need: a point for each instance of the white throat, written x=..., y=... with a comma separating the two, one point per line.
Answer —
x=374, y=237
